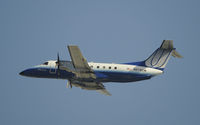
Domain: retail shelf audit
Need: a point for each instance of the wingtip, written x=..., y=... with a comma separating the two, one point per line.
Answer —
x=104, y=92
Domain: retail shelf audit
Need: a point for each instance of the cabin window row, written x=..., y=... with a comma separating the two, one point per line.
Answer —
x=104, y=67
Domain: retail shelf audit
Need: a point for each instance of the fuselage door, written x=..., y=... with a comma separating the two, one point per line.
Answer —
x=52, y=68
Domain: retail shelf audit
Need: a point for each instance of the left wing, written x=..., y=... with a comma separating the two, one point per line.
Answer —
x=80, y=63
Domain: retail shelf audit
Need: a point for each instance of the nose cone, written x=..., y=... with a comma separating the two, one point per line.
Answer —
x=27, y=72
x=22, y=73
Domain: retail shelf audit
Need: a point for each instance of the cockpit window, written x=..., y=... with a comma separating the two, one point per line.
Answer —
x=46, y=63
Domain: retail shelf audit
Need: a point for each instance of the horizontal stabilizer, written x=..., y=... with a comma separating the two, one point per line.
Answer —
x=176, y=54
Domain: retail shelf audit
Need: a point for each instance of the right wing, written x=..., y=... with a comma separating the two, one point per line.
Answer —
x=99, y=87
x=104, y=91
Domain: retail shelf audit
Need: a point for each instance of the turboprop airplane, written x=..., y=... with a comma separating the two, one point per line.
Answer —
x=90, y=75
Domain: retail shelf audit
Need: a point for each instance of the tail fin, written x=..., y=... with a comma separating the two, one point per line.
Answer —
x=161, y=56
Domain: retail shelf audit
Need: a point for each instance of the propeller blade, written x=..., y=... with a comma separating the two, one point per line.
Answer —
x=69, y=84
x=58, y=63
x=58, y=57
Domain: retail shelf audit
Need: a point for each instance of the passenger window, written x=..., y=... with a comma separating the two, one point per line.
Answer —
x=104, y=67
x=115, y=67
x=109, y=67
x=91, y=66
x=97, y=66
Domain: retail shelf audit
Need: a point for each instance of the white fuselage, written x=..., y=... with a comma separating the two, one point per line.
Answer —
x=124, y=68
x=105, y=72
x=114, y=67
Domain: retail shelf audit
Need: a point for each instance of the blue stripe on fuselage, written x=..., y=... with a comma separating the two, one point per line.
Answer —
x=102, y=76
x=44, y=72
x=116, y=76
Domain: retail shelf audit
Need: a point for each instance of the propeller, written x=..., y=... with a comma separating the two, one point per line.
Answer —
x=58, y=63
x=69, y=84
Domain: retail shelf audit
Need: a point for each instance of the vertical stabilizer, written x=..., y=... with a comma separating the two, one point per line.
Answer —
x=161, y=56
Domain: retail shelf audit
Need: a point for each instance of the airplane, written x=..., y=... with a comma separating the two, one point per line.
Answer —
x=91, y=75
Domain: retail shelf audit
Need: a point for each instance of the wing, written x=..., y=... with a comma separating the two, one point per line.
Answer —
x=80, y=63
x=83, y=72
x=99, y=87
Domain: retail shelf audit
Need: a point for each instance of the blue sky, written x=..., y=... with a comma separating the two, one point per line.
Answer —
x=32, y=32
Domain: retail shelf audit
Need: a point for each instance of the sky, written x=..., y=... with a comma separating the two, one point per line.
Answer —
x=33, y=31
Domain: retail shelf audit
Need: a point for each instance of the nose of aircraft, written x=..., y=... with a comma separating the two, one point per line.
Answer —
x=22, y=73
x=27, y=72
